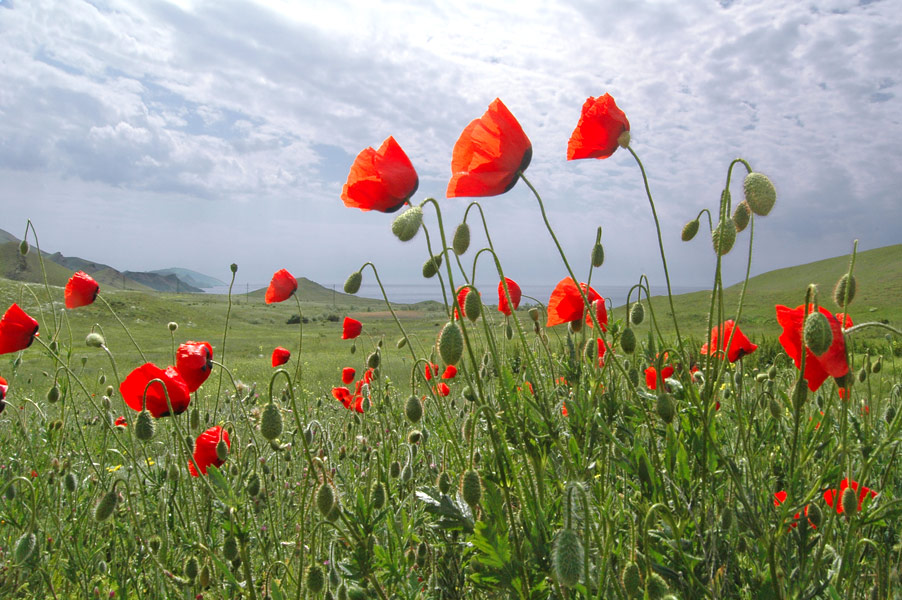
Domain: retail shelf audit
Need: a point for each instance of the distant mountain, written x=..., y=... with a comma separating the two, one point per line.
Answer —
x=310, y=291
x=6, y=236
x=190, y=277
x=161, y=283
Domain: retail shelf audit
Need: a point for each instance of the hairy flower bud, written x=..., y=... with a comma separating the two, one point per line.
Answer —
x=352, y=283
x=665, y=408
x=656, y=587
x=471, y=488
x=689, y=230
x=23, y=247
x=461, y=240
x=144, y=426
x=378, y=495
x=443, y=482
x=413, y=409
x=451, y=343
x=230, y=548
x=628, y=340
x=472, y=305
x=407, y=224
x=637, y=313
x=817, y=333
x=567, y=557
x=25, y=547
x=844, y=290
x=741, y=216
x=271, y=422
x=106, y=506
x=94, y=340
x=316, y=581
x=372, y=361
x=759, y=193
x=325, y=499
x=431, y=266
x=631, y=580
x=53, y=394
x=723, y=237
x=597, y=255
x=849, y=502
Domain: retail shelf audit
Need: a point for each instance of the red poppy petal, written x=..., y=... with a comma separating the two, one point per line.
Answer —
x=351, y=328
x=205, y=450
x=282, y=286
x=17, y=330
x=280, y=356
x=600, y=125
x=81, y=290
x=194, y=361
x=133, y=386
x=515, y=294
x=347, y=375
x=381, y=180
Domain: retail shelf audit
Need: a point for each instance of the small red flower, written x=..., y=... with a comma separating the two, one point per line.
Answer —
x=442, y=389
x=194, y=361
x=4, y=388
x=132, y=390
x=120, y=422
x=282, y=286
x=381, y=179
x=720, y=335
x=280, y=356
x=600, y=125
x=489, y=155
x=651, y=376
x=450, y=372
x=515, y=293
x=350, y=329
x=342, y=394
x=81, y=290
x=205, y=450
x=17, y=330
x=368, y=375
x=431, y=371
x=347, y=375
x=834, y=498
x=564, y=409
x=566, y=304
x=780, y=498
x=602, y=350
x=817, y=368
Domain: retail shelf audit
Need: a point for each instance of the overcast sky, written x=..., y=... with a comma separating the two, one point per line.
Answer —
x=153, y=134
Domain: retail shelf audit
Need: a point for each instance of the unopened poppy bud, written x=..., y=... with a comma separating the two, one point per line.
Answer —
x=173, y=473
x=471, y=488
x=443, y=482
x=656, y=587
x=378, y=495
x=106, y=403
x=406, y=473
x=204, y=577
x=352, y=283
x=597, y=255
x=461, y=240
x=23, y=247
x=451, y=343
x=862, y=375
x=53, y=394
x=759, y=193
x=772, y=372
x=230, y=548
x=567, y=557
x=401, y=343
x=372, y=361
x=776, y=411
x=844, y=291
x=194, y=420
x=325, y=499
x=144, y=426
x=817, y=333
x=631, y=580
x=342, y=592
x=637, y=313
x=575, y=326
x=628, y=340
x=723, y=237
x=316, y=581
x=665, y=408
x=878, y=365
x=469, y=394
x=70, y=482
x=394, y=469
x=271, y=422
x=407, y=224
x=741, y=216
x=233, y=267
x=814, y=514
x=155, y=543
x=509, y=332
x=94, y=340
x=253, y=485
x=689, y=230
x=533, y=314
x=633, y=376
x=431, y=266
x=472, y=306
x=890, y=414
x=414, y=436
x=413, y=409
x=222, y=450
x=25, y=547
x=623, y=140
x=191, y=568
x=106, y=506
x=849, y=502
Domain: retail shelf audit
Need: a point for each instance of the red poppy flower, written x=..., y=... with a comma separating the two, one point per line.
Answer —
x=450, y=372
x=600, y=125
x=132, y=390
x=489, y=154
x=834, y=498
x=205, y=450
x=81, y=290
x=381, y=179
x=651, y=376
x=4, y=388
x=739, y=347
x=350, y=329
x=847, y=322
x=280, y=356
x=342, y=394
x=566, y=304
x=368, y=375
x=515, y=293
x=780, y=498
x=817, y=368
x=442, y=389
x=194, y=361
x=564, y=409
x=357, y=405
x=17, y=330
x=431, y=371
x=282, y=286
x=602, y=350
x=462, y=299
x=120, y=422
x=347, y=375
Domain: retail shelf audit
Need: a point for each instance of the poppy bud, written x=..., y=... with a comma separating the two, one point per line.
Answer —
x=204, y=577
x=844, y=291
x=726, y=517
x=631, y=580
x=472, y=306
x=194, y=420
x=665, y=408
x=407, y=224
x=372, y=361
x=656, y=587
x=253, y=485
x=878, y=365
x=271, y=422
x=106, y=506
x=723, y=237
x=597, y=255
x=741, y=216
x=759, y=193
x=70, y=482
x=461, y=240
x=414, y=436
x=628, y=341
x=533, y=314
x=431, y=266
x=817, y=333
x=23, y=247
x=222, y=450
x=155, y=543
x=689, y=230
x=509, y=332
x=469, y=394
x=443, y=482
x=325, y=499
x=849, y=502
x=94, y=340
x=890, y=415
x=230, y=548
x=173, y=473
x=567, y=557
x=401, y=343
x=451, y=343
x=53, y=394
x=814, y=514
x=25, y=547
x=342, y=592
x=10, y=492
x=776, y=411
x=233, y=267
x=144, y=426
x=191, y=568
x=413, y=409
x=394, y=469
x=471, y=488
x=352, y=284
x=378, y=495
x=316, y=581
x=637, y=313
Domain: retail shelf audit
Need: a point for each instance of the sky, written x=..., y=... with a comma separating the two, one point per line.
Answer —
x=196, y=134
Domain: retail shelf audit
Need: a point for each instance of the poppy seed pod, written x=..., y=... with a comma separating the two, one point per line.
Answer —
x=637, y=313
x=597, y=255
x=567, y=557
x=844, y=291
x=352, y=283
x=759, y=193
x=230, y=548
x=817, y=333
x=472, y=306
x=656, y=587
x=431, y=266
x=407, y=224
x=741, y=216
x=94, y=340
x=378, y=495
x=689, y=230
x=665, y=408
x=413, y=409
x=628, y=340
x=471, y=488
x=144, y=426
x=271, y=422
x=723, y=237
x=316, y=581
x=631, y=580
x=106, y=506
x=325, y=499
x=451, y=343
x=461, y=240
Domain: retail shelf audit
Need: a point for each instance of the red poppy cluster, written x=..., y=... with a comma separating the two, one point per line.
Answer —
x=342, y=394
x=832, y=363
x=81, y=290
x=833, y=497
x=382, y=179
x=280, y=356
x=440, y=388
x=205, y=450
x=651, y=375
x=566, y=304
x=515, y=294
x=350, y=328
x=720, y=336
x=194, y=360
x=281, y=287
x=17, y=330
